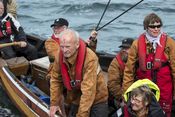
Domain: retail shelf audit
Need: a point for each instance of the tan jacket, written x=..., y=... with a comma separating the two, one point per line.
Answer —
x=93, y=88
x=11, y=8
x=129, y=72
x=52, y=48
x=115, y=77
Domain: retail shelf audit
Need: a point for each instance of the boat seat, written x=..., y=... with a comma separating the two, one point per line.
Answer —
x=39, y=69
x=18, y=65
x=2, y=62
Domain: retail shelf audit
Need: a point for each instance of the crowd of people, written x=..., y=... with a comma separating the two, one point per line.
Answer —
x=141, y=78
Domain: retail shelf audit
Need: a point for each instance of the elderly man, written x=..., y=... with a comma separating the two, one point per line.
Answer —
x=52, y=44
x=76, y=68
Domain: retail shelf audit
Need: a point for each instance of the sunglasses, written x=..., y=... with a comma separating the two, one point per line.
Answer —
x=154, y=26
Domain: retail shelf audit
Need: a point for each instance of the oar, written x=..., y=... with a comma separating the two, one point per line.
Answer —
x=119, y=15
x=9, y=44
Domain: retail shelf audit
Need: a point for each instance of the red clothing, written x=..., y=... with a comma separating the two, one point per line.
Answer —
x=156, y=72
x=69, y=84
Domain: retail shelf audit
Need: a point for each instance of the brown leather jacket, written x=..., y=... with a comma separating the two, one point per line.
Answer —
x=93, y=87
x=115, y=77
x=129, y=72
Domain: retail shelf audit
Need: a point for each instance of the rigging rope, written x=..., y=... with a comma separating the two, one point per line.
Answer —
x=119, y=15
x=103, y=14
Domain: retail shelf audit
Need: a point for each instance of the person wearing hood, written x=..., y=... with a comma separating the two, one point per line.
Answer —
x=141, y=101
x=152, y=56
x=12, y=31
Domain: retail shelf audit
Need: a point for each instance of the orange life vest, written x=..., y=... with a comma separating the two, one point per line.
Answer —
x=5, y=30
x=74, y=83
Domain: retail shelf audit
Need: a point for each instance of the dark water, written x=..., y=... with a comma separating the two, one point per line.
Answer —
x=36, y=16
x=7, y=109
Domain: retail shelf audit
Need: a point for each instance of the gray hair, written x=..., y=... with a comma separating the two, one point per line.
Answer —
x=69, y=30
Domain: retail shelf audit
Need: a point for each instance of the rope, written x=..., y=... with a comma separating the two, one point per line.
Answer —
x=103, y=14
x=119, y=15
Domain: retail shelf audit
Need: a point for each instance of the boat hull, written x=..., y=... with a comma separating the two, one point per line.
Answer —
x=28, y=103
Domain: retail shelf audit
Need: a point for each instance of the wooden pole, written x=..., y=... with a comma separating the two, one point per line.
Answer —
x=9, y=44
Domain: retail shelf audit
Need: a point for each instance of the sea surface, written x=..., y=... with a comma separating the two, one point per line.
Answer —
x=36, y=16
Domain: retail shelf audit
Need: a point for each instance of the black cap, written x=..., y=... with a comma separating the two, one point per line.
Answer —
x=126, y=43
x=60, y=22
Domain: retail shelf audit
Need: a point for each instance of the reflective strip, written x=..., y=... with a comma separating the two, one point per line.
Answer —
x=119, y=112
x=98, y=69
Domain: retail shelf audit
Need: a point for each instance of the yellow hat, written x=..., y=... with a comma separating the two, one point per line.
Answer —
x=139, y=83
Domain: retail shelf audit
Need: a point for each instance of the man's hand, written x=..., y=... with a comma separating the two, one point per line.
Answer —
x=54, y=109
x=94, y=34
x=22, y=44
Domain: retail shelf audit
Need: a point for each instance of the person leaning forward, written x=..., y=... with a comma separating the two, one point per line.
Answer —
x=76, y=68
x=52, y=43
x=152, y=56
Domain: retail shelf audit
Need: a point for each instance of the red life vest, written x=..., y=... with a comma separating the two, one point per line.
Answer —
x=152, y=63
x=56, y=39
x=126, y=113
x=68, y=83
x=121, y=63
x=5, y=30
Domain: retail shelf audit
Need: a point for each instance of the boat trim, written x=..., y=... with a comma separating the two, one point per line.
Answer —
x=25, y=93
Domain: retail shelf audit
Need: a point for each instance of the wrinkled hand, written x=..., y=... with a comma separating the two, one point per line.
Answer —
x=54, y=109
x=22, y=44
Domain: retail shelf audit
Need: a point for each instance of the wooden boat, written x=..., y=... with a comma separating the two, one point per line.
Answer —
x=29, y=102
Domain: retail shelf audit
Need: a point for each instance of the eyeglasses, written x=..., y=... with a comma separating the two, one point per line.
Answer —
x=154, y=26
x=135, y=100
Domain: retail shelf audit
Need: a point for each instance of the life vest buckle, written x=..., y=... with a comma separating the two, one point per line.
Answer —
x=74, y=83
x=149, y=65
